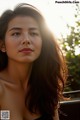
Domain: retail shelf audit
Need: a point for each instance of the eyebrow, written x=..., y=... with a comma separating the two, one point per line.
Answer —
x=14, y=28
x=18, y=28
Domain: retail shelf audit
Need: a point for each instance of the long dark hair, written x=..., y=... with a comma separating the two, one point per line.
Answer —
x=48, y=72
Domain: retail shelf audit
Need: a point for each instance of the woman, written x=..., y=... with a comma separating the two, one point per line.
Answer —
x=32, y=70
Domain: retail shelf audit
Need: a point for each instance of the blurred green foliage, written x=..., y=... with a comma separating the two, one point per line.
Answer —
x=69, y=46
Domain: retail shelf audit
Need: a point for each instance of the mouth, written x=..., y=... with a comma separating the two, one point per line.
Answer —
x=26, y=50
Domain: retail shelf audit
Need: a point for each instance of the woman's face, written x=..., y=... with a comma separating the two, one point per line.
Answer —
x=23, y=40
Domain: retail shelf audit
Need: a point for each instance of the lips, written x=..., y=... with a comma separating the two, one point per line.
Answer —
x=26, y=50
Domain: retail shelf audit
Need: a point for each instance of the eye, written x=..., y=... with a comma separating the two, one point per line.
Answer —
x=34, y=34
x=16, y=34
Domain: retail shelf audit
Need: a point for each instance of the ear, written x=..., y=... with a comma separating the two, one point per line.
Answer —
x=2, y=46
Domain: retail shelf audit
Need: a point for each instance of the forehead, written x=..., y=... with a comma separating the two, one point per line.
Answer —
x=23, y=21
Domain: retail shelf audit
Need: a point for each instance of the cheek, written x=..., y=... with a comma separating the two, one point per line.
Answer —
x=11, y=49
x=38, y=48
x=39, y=45
x=10, y=43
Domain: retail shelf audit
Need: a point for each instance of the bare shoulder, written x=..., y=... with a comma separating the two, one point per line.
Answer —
x=56, y=117
x=1, y=89
x=1, y=93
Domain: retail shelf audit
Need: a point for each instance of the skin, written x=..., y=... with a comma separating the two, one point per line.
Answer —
x=22, y=32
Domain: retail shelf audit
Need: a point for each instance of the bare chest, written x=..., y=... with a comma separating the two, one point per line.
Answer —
x=14, y=101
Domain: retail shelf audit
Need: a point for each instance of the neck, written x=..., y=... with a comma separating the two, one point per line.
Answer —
x=19, y=72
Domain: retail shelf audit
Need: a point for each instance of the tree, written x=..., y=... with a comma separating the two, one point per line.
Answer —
x=70, y=44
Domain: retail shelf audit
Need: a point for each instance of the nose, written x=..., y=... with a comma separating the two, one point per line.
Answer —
x=26, y=39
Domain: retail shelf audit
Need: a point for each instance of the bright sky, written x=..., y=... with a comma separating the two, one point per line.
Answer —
x=56, y=15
